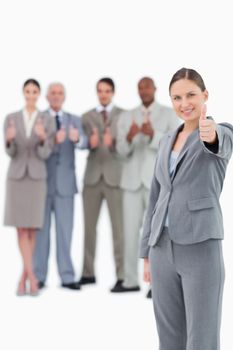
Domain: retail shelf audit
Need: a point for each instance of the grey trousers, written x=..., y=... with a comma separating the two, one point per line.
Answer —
x=63, y=208
x=187, y=287
x=93, y=197
x=134, y=206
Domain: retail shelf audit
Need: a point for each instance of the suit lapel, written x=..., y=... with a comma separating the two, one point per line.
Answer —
x=167, y=153
x=21, y=126
x=183, y=152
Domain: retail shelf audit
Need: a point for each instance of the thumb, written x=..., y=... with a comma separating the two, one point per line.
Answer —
x=203, y=112
x=11, y=123
x=146, y=118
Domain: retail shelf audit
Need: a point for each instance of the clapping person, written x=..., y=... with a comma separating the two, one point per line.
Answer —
x=29, y=136
x=102, y=180
x=62, y=188
x=139, y=133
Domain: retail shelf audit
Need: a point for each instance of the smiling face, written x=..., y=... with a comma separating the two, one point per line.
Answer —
x=56, y=96
x=187, y=99
x=105, y=93
x=31, y=94
x=146, y=90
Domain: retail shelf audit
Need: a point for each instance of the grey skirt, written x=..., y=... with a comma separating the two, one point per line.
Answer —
x=25, y=202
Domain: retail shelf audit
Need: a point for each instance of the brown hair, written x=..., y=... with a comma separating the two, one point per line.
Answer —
x=190, y=74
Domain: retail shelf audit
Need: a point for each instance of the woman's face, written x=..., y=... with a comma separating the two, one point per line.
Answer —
x=187, y=99
x=31, y=94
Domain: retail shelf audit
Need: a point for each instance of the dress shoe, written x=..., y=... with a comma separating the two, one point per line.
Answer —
x=41, y=285
x=117, y=286
x=149, y=294
x=87, y=280
x=72, y=285
x=121, y=289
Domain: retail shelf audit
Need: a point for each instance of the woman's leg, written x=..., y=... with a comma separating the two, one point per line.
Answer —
x=167, y=297
x=202, y=272
x=26, y=241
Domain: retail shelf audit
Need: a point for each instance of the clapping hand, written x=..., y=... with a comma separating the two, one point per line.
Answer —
x=73, y=134
x=10, y=131
x=40, y=129
x=61, y=135
x=108, y=139
x=134, y=130
x=94, y=138
x=146, y=127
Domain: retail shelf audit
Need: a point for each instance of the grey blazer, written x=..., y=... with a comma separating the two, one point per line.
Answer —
x=27, y=154
x=191, y=196
x=61, y=163
x=102, y=161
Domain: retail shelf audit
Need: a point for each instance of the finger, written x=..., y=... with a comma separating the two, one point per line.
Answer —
x=11, y=123
x=203, y=112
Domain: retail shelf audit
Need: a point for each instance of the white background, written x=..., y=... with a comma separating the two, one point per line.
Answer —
x=77, y=42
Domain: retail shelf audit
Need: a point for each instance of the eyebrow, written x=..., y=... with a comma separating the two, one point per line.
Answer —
x=190, y=92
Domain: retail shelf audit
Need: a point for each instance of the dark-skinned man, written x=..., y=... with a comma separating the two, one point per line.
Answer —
x=139, y=133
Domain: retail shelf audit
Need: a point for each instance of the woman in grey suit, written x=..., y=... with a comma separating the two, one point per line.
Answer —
x=183, y=229
x=28, y=141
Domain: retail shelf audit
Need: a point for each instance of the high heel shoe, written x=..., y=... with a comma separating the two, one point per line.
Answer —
x=21, y=291
x=34, y=290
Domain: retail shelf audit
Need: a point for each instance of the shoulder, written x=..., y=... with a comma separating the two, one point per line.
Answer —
x=118, y=110
x=14, y=115
x=165, y=109
x=71, y=116
x=89, y=113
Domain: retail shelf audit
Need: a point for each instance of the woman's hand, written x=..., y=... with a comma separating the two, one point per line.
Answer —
x=207, y=128
x=10, y=131
x=40, y=130
x=146, y=272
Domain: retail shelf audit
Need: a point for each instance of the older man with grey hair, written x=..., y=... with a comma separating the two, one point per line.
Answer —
x=62, y=187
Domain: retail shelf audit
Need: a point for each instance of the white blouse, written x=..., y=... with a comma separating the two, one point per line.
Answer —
x=29, y=121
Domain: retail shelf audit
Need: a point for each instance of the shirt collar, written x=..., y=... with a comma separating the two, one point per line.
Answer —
x=53, y=113
x=107, y=108
x=33, y=114
x=150, y=108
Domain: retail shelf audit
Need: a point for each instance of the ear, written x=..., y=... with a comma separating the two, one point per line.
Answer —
x=206, y=95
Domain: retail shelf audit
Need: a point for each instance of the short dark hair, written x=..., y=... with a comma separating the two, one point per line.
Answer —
x=190, y=74
x=31, y=81
x=108, y=81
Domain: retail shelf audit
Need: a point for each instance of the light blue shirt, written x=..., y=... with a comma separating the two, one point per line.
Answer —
x=172, y=164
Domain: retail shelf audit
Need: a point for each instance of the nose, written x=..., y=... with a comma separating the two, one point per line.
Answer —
x=184, y=102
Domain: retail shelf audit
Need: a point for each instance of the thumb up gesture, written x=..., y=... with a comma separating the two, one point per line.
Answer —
x=39, y=129
x=133, y=131
x=107, y=139
x=10, y=131
x=73, y=134
x=94, y=138
x=207, y=127
x=61, y=135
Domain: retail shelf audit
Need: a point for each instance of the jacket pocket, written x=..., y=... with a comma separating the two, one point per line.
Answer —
x=201, y=203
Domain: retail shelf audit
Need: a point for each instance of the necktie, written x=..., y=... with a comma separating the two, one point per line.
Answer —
x=105, y=116
x=58, y=122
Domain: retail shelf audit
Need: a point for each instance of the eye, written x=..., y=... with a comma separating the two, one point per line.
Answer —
x=191, y=94
x=176, y=98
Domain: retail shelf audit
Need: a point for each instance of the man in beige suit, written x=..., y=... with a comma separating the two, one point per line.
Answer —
x=102, y=180
x=139, y=133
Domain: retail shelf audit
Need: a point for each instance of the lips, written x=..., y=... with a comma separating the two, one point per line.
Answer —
x=187, y=112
